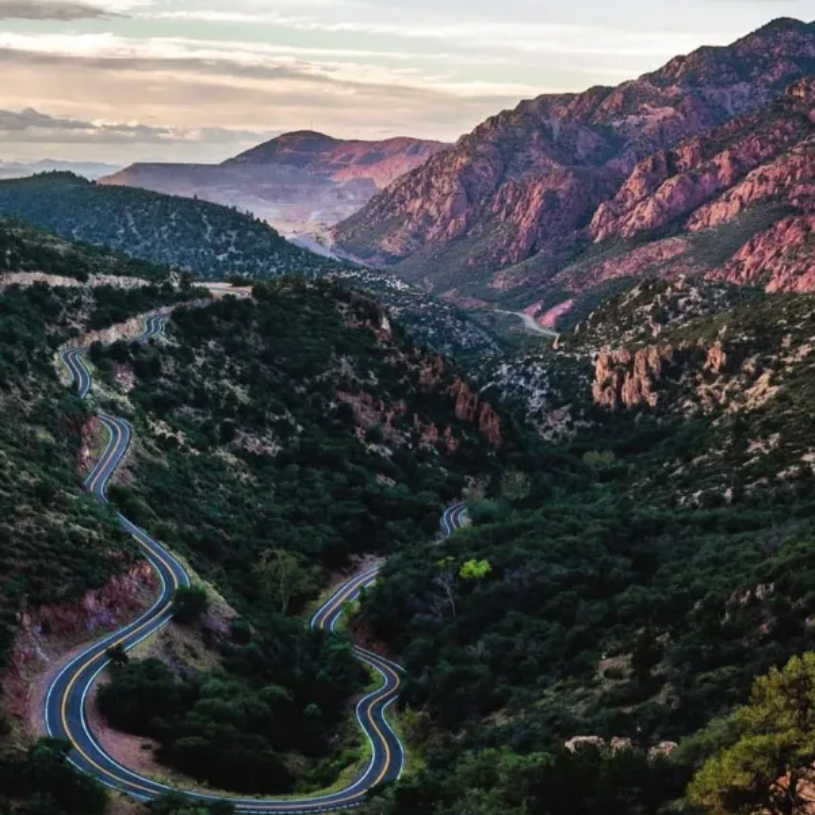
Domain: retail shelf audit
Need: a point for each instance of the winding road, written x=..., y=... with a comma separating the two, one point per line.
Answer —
x=453, y=518
x=529, y=324
x=66, y=702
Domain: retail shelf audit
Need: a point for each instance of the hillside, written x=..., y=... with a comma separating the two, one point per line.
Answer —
x=212, y=243
x=703, y=385
x=300, y=422
x=294, y=422
x=25, y=250
x=380, y=162
x=209, y=240
x=67, y=571
x=577, y=648
x=556, y=199
x=297, y=182
x=431, y=321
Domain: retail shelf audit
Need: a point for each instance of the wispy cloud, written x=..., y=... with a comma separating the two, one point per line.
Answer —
x=239, y=63
x=50, y=10
x=44, y=128
x=529, y=37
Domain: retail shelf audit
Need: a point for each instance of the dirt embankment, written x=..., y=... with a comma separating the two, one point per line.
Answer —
x=49, y=636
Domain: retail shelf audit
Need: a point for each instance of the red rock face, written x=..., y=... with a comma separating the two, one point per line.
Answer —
x=789, y=177
x=781, y=258
x=608, y=164
x=670, y=184
x=623, y=378
x=471, y=408
x=45, y=634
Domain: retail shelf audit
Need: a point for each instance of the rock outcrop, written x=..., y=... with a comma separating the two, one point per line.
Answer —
x=46, y=633
x=630, y=379
x=781, y=258
x=670, y=184
x=470, y=407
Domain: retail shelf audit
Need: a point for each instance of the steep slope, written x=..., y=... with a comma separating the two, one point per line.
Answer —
x=300, y=422
x=298, y=181
x=705, y=381
x=528, y=183
x=295, y=425
x=576, y=649
x=26, y=250
x=615, y=594
x=734, y=204
x=67, y=572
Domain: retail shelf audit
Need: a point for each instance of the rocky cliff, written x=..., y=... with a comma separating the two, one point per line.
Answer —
x=623, y=377
x=517, y=204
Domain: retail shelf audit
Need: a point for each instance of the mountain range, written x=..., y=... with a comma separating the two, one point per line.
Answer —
x=300, y=181
x=703, y=165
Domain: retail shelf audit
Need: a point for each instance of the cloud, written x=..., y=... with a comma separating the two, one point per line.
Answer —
x=242, y=63
x=50, y=10
x=199, y=100
x=509, y=36
x=34, y=126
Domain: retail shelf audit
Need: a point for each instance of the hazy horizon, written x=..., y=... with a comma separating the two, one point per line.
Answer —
x=200, y=80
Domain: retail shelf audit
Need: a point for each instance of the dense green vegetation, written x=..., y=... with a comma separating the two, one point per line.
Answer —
x=596, y=617
x=49, y=532
x=627, y=584
x=279, y=437
x=174, y=804
x=184, y=233
x=765, y=759
x=212, y=242
x=430, y=321
x=41, y=782
x=303, y=423
x=26, y=249
x=636, y=605
x=280, y=689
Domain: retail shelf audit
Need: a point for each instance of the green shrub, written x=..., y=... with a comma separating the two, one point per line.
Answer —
x=190, y=604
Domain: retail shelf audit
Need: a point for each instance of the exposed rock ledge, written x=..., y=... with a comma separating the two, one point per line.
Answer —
x=621, y=377
x=47, y=634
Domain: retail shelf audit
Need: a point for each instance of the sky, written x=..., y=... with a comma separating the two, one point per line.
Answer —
x=200, y=80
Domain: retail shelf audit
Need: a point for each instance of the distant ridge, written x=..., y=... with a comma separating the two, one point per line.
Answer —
x=302, y=181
